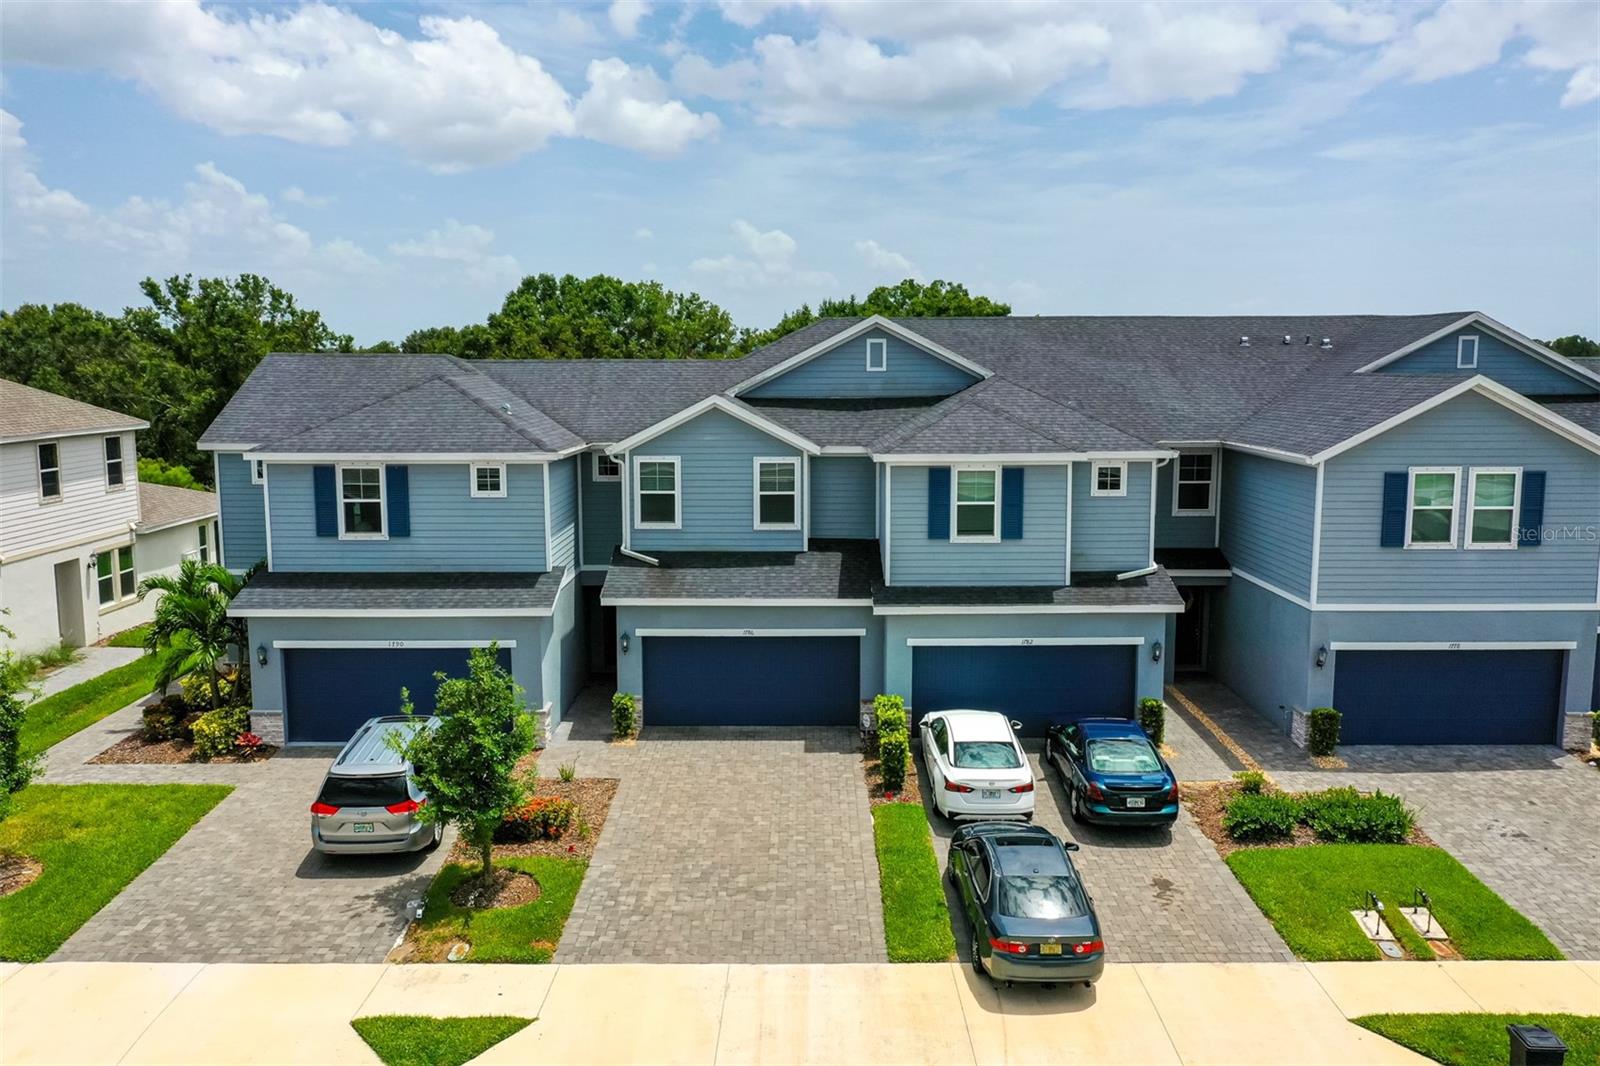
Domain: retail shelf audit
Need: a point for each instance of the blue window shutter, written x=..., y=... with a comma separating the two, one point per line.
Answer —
x=1393, y=534
x=397, y=487
x=327, y=502
x=938, y=503
x=1011, y=503
x=1532, y=516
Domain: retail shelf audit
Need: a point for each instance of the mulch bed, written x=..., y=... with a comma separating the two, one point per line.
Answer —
x=17, y=872
x=1206, y=802
x=136, y=749
x=593, y=795
x=502, y=888
x=910, y=793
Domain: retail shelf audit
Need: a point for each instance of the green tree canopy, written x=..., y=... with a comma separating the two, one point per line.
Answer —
x=1575, y=346
x=906, y=299
x=603, y=317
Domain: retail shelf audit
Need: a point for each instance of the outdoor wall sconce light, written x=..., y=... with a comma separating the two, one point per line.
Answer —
x=1322, y=657
x=624, y=642
x=261, y=654
x=1155, y=652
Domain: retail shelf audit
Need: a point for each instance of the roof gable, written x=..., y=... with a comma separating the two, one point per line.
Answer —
x=876, y=364
x=875, y=325
x=733, y=408
x=1496, y=351
x=27, y=413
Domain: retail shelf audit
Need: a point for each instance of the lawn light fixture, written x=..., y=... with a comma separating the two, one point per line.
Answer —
x=1155, y=652
x=261, y=654
x=1322, y=657
x=624, y=638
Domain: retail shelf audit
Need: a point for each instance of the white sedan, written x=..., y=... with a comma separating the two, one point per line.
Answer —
x=976, y=768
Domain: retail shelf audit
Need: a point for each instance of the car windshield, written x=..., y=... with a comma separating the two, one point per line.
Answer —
x=1122, y=757
x=1041, y=896
x=986, y=755
x=363, y=791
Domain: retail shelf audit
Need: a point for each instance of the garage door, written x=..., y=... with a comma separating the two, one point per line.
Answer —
x=751, y=680
x=1029, y=684
x=1447, y=697
x=329, y=692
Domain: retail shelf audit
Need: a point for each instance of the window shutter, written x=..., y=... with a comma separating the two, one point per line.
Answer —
x=1011, y=503
x=1532, y=516
x=938, y=503
x=1393, y=532
x=397, y=490
x=327, y=503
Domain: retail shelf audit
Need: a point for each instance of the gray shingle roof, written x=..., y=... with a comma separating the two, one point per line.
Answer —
x=475, y=593
x=27, y=413
x=168, y=505
x=998, y=416
x=1584, y=413
x=853, y=423
x=831, y=570
x=1155, y=591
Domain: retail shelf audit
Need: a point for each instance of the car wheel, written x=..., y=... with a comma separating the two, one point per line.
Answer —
x=1075, y=806
x=977, y=959
x=438, y=836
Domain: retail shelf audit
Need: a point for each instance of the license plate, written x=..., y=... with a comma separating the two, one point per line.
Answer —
x=363, y=827
x=990, y=793
x=1135, y=801
x=1049, y=949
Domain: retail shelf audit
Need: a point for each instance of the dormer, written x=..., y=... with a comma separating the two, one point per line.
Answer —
x=1477, y=344
x=874, y=359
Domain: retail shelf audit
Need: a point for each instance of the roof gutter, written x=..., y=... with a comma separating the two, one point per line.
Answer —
x=641, y=556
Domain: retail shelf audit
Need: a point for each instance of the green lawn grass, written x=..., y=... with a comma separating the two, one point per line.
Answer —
x=129, y=638
x=510, y=934
x=1308, y=892
x=91, y=840
x=916, y=922
x=1481, y=1039
x=414, y=1040
x=55, y=718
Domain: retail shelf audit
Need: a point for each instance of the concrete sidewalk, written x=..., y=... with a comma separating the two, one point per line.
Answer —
x=92, y=661
x=1173, y=1013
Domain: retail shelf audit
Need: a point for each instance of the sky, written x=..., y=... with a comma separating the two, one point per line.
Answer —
x=401, y=166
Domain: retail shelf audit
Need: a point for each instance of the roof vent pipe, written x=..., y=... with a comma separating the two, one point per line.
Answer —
x=1308, y=338
x=1288, y=339
x=1244, y=342
x=1327, y=342
x=506, y=408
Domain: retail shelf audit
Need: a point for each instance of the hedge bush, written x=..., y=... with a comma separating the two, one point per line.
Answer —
x=215, y=731
x=1251, y=781
x=1153, y=719
x=1345, y=816
x=889, y=713
x=624, y=715
x=894, y=753
x=1261, y=816
x=1323, y=738
x=159, y=723
x=540, y=818
x=196, y=688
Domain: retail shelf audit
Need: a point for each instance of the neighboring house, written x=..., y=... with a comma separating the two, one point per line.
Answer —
x=78, y=530
x=1396, y=515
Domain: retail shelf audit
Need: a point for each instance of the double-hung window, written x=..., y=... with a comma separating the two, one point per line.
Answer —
x=49, y=470
x=606, y=468
x=1466, y=353
x=1493, y=496
x=1110, y=479
x=258, y=471
x=777, y=493
x=361, y=501
x=1431, y=515
x=976, y=503
x=115, y=578
x=877, y=355
x=205, y=542
x=1194, y=484
x=488, y=480
x=655, y=496
x=113, y=462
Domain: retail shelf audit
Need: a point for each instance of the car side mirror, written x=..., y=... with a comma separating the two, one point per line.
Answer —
x=1016, y=725
x=1069, y=845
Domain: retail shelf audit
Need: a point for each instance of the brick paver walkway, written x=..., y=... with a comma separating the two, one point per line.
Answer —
x=724, y=845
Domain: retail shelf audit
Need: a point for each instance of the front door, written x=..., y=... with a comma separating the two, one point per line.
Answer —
x=1190, y=654
x=69, y=603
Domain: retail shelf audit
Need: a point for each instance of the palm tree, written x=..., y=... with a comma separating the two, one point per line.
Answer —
x=191, y=630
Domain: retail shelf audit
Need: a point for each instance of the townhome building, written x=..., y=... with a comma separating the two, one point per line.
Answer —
x=78, y=529
x=1398, y=516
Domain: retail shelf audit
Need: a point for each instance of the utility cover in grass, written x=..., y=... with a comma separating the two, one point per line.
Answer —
x=416, y=1040
x=1481, y=1039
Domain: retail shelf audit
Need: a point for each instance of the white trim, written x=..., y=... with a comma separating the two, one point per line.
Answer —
x=1274, y=589
x=955, y=514
x=472, y=481
x=1210, y=509
x=742, y=412
x=730, y=601
x=1411, y=608
x=1461, y=351
x=888, y=542
x=1216, y=501
x=577, y=494
x=120, y=460
x=805, y=502
x=627, y=518
x=291, y=644
x=545, y=473
x=882, y=344
x=1030, y=609
x=1066, y=553
x=1455, y=504
x=641, y=556
x=677, y=491
x=1277, y=454
x=216, y=479
x=383, y=501
x=395, y=612
x=266, y=515
x=1316, y=536
x=793, y=462
x=256, y=465
x=39, y=468
x=1121, y=467
x=1472, y=506
x=1200, y=573
x=1154, y=481
x=1006, y=642
x=1459, y=645
x=1141, y=572
x=749, y=632
x=105, y=431
x=1013, y=458
x=843, y=449
x=844, y=336
x=220, y=447
x=1477, y=318
x=594, y=468
x=409, y=458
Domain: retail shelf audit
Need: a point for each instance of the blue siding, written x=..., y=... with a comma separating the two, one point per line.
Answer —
x=563, y=512
x=716, y=488
x=244, y=523
x=1039, y=558
x=1181, y=531
x=842, y=497
x=1261, y=648
x=1110, y=534
x=1496, y=359
x=449, y=529
x=1469, y=431
x=842, y=373
x=602, y=514
x=1268, y=510
x=791, y=681
x=563, y=663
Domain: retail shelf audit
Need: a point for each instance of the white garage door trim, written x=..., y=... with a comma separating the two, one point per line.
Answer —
x=1459, y=645
x=396, y=644
x=750, y=632
x=982, y=642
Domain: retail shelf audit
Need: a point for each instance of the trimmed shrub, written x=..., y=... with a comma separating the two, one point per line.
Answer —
x=1251, y=782
x=197, y=690
x=1345, y=816
x=894, y=752
x=159, y=724
x=1258, y=817
x=624, y=715
x=890, y=714
x=1594, y=726
x=1323, y=738
x=1153, y=719
x=540, y=818
x=215, y=732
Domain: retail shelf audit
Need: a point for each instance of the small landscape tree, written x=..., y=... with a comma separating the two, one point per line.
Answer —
x=16, y=767
x=192, y=631
x=467, y=764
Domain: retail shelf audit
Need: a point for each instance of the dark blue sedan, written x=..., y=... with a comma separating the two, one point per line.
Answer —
x=1030, y=917
x=1113, y=774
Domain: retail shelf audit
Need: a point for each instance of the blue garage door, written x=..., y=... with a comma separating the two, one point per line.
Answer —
x=1447, y=697
x=1029, y=684
x=751, y=680
x=329, y=692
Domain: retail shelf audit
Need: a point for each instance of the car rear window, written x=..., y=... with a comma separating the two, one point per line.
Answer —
x=363, y=791
x=986, y=755
x=1122, y=757
x=1041, y=896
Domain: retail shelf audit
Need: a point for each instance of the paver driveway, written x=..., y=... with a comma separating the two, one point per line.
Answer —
x=724, y=845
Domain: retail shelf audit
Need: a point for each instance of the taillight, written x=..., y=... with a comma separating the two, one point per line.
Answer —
x=1010, y=947
x=1023, y=788
x=1094, y=793
x=323, y=809
x=408, y=806
x=1089, y=948
x=956, y=786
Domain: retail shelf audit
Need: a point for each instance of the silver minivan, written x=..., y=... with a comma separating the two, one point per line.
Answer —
x=369, y=803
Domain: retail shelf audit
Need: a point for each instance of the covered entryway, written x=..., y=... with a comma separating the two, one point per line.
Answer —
x=811, y=680
x=1464, y=695
x=1029, y=681
x=330, y=691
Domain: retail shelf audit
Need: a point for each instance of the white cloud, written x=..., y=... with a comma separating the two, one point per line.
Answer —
x=294, y=194
x=626, y=14
x=767, y=260
x=37, y=203
x=462, y=245
x=629, y=107
x=643, y=233
x=882, y=260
